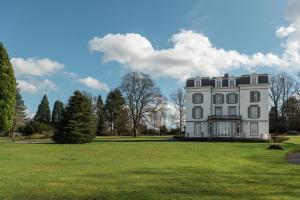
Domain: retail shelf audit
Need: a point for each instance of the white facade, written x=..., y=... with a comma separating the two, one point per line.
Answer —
x=232, y=107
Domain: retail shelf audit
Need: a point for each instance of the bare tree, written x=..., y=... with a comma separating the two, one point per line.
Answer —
x=178, y=98
x=142, y=97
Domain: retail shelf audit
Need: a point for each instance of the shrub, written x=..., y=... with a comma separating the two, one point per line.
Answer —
x=275, y=146
x=35, y=127
x=279, y=139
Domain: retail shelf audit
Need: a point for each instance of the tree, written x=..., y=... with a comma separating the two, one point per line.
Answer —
x=20, y=112
x=7, y=91
x=142, y=97
x=100, y=116
x=57, y=112
x=114, y=108
x=178, y=98
x=43, y=114
x=291, y=116
x=78, y=123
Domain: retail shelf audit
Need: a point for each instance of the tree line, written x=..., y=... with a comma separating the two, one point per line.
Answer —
x=136, y=107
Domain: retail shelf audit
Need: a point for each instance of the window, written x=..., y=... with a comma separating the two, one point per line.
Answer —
x=231, y=98
x=198, y=83
x=254, y=80
x=238, y=129
x=231, y=82
x=231, y=110
x=254, y=112
x=198, y=112
x=218, y=83
x=218, y=98
x=253, y=128
x=197, y=128
x=254, y=96
x=218, y=111
x=197, y=98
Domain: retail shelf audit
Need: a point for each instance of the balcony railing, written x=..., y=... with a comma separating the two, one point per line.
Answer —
x=225, y=117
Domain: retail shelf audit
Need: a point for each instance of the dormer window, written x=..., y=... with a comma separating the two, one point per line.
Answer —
x=254, y=79
x=218, y=83
x=231, y=82
x=198, y=83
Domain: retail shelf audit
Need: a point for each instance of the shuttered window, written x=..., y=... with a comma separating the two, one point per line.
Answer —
x=218, y=98
x=197, y=98
x=197, y=112
x=254, y=112
x=254, y=96
x=232, y=98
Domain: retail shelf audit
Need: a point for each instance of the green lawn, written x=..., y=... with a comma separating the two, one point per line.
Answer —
x=147, y=168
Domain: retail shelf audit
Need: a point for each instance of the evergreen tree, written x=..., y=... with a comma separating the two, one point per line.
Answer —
x=78, y=121
x=7, y=91
x=114, y=105
x=100, y=116
x=43, y=114
x=20, y=112
x=57, y=112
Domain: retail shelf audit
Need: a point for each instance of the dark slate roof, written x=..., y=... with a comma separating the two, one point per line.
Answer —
x=244, y=79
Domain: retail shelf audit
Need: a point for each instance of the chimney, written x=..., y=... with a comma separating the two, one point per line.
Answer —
x=226, y=75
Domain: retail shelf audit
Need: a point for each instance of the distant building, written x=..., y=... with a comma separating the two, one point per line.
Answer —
x=228, y=106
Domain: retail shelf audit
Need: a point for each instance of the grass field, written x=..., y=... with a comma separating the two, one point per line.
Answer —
x=147, y=168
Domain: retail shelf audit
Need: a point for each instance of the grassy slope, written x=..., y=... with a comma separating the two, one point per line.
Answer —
x=147, y=170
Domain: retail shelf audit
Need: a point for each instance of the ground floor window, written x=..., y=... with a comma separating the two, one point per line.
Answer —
x=197, y=128
x=224, y=129
x=253, y=128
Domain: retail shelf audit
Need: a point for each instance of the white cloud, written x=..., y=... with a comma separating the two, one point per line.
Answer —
x=93, y=83
x=35, y=66
x=285, y=31
x=191, y=54
x=32, y=86
x=71, y=75
x=25, y=86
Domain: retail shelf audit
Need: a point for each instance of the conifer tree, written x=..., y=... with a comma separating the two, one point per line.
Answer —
x=57, y=112
x=7, y=91
x=100, y=116
x=78, y=121
x=20, y=112
x=114, y=105
x=43, y=113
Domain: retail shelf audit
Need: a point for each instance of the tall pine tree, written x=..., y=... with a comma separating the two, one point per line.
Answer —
x=7, y=91
x=43, y=113
x=20, y=112
x=57, y=112
x=114, y=108
x=78, y=121
x=100, y=116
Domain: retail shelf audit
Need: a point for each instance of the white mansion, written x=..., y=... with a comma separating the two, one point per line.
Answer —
x=228, y=106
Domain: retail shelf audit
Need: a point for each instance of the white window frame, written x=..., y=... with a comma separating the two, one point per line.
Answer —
x=254, y=79
x=197, y=113
x=197, y=128
x=198, y=97
x=219, y=99
x=218, y=83
x=231, y=98
x=254, y=128
x=231, y=82
x=230, y=109
x=254, y=112
x=218, y=111
x=198, y=82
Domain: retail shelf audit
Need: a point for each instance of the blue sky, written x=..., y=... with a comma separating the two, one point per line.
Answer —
x=48, y=42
